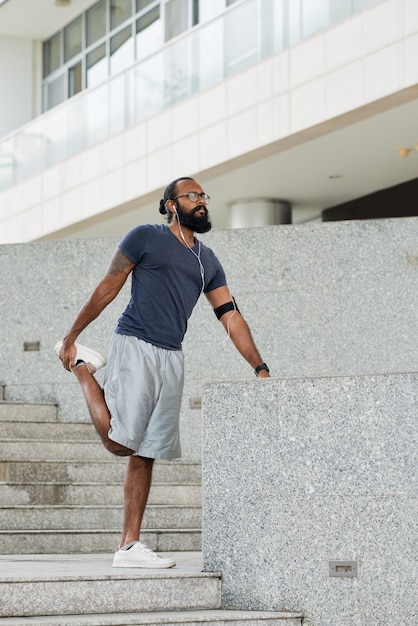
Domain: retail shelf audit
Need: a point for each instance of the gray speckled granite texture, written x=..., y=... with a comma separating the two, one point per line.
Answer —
x=298, y=472
x=321, y=299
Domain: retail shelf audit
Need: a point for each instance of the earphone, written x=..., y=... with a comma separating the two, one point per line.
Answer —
x=202, y=274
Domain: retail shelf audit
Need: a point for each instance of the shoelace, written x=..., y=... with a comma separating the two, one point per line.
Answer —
x=147, y=551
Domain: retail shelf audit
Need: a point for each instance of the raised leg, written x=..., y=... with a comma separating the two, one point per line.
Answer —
x=98, y=410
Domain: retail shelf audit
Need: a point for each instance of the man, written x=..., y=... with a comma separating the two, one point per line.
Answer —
x=137, y=412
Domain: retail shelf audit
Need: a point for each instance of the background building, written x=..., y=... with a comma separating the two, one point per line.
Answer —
x=283, y=109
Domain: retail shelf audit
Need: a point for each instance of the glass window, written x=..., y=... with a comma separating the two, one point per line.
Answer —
x=176, y=18
x=147, y=93
x=294, y=21
x=241, y=37
x=209, y=59
x=314, y=16
x=56, y=91
x=96, y=66
x=73, y=39
x=206, y=10
x=149, y=33
x=52, y=54
x=339, y=9
x=120, y=10
x=75, y=79
x=121, y=50
x=360, y=5
x=179, y=77
x=142, y=4
x=96, y=22
x=272, y=34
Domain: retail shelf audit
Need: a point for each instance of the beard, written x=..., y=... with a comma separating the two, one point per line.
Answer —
x=192, y=221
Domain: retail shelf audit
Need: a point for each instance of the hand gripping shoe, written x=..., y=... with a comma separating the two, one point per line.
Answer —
x=94, y=360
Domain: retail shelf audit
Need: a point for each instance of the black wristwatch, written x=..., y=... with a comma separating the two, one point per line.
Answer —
x=258, y=369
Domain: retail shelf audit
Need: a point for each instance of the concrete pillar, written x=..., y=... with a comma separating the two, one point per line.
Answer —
x=252, y=212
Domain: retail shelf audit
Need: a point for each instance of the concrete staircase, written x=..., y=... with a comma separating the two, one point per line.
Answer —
x=60, y=519
x=61, y=492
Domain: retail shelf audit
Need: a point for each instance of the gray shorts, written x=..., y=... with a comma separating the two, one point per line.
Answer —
x=143, y=388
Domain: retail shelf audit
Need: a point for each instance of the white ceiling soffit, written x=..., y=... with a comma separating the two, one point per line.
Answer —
x=37, y=19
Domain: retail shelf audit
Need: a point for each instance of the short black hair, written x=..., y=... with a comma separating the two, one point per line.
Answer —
x=169, y=194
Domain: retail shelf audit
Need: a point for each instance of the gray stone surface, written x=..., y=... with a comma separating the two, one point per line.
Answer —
x=72, y=584
x=207, y=617
x=321, y=299
x=80, y=541
x=299, y=472
x=67, y=517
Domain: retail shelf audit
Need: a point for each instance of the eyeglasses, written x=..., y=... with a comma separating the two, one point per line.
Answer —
x=194, y=196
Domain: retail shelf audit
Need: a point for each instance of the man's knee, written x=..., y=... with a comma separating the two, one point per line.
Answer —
x=117, y=449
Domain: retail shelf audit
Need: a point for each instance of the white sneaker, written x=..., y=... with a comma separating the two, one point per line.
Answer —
x=139, y=555
x=94, y=360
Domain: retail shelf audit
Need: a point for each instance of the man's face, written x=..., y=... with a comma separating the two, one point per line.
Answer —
x=192, y=215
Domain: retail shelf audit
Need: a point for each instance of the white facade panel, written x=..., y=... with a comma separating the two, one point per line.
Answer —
x=135, y=179
x=344, y=43
x=410, y=16
x=185, y=119
x=242, y=133
x=410, y=60
x=344, y=89
x=307, y=61
x=383, y=72
x=308, y=105
x=388, y=17
x=17, y=63
x=213, y=145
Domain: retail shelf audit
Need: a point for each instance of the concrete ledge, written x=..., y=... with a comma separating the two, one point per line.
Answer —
x=299, y=472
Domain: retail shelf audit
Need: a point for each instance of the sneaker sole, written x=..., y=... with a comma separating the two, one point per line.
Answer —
x=142, y=565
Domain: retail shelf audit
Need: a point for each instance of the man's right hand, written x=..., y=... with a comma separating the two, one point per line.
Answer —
x=67, y=354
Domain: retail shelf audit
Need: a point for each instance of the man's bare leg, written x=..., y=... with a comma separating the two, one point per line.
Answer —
x=137, y=484
x=98, y=410
x=136, y=490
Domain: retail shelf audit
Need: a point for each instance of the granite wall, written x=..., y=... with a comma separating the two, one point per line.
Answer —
x=301, y=472
x=321, y=300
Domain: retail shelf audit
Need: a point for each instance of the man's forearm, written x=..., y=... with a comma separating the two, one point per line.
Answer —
x=242, y=339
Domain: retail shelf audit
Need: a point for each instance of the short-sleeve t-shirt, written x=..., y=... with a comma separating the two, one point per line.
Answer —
x=166, y=283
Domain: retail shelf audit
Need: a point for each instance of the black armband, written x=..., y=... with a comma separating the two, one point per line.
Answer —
x=224, y=308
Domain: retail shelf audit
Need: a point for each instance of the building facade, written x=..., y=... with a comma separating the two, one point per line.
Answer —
x=284, y=110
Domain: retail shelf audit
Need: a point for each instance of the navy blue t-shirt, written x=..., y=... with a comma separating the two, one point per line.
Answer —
x=166, y=284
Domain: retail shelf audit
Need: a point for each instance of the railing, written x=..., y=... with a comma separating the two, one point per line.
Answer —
x=245, y=34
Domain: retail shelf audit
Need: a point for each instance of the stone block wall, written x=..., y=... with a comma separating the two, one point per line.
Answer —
x=321, y=300
x=301, y=472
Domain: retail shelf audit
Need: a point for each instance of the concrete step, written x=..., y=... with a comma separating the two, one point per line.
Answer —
x=86, y=584
x=28, y=412
x=41, y=449
x=72, y=589
x=111, y=469
x=52, y=430
x=100, y=517
x=206, y=617
x=91, y=541
x=12, y=494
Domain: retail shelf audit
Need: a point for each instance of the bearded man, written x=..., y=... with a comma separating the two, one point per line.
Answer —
x=137, y=412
